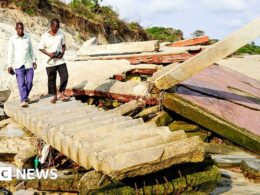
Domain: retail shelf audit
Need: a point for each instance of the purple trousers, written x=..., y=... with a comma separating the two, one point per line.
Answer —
x=25, y=81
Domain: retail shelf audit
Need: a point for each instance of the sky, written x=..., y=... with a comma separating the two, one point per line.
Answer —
x=217, y=18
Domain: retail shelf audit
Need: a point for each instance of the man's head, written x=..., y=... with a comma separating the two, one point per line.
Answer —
x=19, y=27
x=55, y=25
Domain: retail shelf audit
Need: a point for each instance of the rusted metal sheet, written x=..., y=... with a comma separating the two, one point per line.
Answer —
x=189, y=42
x=225, y=102
x=114, y=96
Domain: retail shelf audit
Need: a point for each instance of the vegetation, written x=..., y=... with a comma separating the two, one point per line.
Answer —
x=164, y=34
x=91, y=9
x=88, y=17
x=248, y=49
x=28, y=7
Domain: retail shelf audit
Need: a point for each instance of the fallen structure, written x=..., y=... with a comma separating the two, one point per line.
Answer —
x=110, y=143
x=229, y=107
x=189, y=42
x=209, y=56
x=119, y=48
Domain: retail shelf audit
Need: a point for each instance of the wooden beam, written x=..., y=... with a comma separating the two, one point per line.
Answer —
x=152, y=58
x=190, y=42
x=209, y=56
x=119, y=48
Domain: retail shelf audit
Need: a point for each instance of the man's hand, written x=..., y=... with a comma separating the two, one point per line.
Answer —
x=51, y=55
x=61, y=55
x=34, y=66
x=10, y=70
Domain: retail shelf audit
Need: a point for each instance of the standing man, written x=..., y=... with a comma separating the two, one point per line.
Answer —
x=21, y=58
x=53, y=45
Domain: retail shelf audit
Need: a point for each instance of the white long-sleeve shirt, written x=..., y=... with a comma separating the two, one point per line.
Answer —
x=20, y=52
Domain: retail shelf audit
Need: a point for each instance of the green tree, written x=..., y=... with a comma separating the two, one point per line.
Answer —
x=164, y=34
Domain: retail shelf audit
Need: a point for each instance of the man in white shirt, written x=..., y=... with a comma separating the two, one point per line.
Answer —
x=21, y=58
x=52, y=44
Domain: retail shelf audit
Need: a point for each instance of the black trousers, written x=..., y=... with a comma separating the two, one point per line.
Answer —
x=52, y=75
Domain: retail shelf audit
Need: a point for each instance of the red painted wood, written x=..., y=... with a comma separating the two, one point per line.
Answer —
x=210, y=91
x=190, y=42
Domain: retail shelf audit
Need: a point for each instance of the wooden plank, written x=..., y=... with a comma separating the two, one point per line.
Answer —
x=209, y=56
x=151, y=58
x=119, y=48
x=189, y=42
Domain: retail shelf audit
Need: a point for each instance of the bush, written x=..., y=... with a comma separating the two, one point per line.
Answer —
x=248, y=49
x=30, y=7
x=164, y=34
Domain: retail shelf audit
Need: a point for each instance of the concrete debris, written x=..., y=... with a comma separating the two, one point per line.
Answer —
x=119, y=48
x=81, y=133
x=128, y=108
x=235, y=183
x=251, y=169
x=231, y=160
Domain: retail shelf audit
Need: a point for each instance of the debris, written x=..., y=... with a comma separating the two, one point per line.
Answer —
x=4, y=95
x=5, y=122
x=231, y=160
x=162, y=119
x=92, y=181
x=25, y=157
x=181, y=125
x=2, y=114
x=188, y=42
x=207, y=57
x=213, y=148
x=12, y=130
x=25, y=192
x=78, y=133
x=251, y=169
x=235, y=183
x=119, y=48
x=201, y=177
x=148, y=58
x=128, y=108
x=44, y=153
x=207, y=100
x=148, y=111
x=10, y=146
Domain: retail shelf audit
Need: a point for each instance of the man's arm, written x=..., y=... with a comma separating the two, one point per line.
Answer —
x=10, y=56
x=51, y=55
x=32, y=54
x=63, y=51
x=42, y=47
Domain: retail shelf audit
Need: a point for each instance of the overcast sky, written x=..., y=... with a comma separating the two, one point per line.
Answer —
x=217, y=18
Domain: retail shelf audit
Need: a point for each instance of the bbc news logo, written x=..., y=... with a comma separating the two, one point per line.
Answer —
x=6, y=174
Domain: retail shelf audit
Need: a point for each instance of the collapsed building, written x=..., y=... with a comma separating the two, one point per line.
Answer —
x=139, y=139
